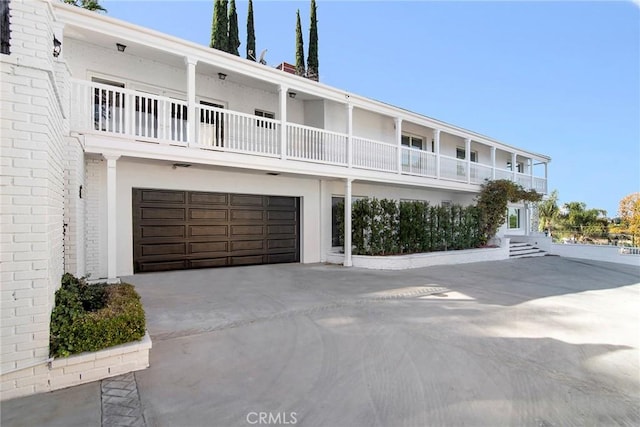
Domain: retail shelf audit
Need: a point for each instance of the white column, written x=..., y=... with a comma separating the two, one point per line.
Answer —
x=436, y=138
x=531, y=184
x=282, y=92
x=546, y=178
x=398, y=123
x=325, y=219
x=514, y=167
x=191, y=100
x=467, y=155
x=493, y=162
x=347, y=223
x=349, y=135
x=112, y=251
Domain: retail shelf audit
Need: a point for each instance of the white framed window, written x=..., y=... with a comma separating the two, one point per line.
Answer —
x=514, y=218
x=266, y=115
x=519, y=167
x=460, y=154
x=412, y=141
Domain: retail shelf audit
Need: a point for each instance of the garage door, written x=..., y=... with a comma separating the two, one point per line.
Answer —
x=175, y=230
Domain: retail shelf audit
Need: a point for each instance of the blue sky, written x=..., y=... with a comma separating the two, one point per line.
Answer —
x=556, y=78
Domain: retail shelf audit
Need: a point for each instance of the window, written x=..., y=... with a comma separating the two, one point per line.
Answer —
x=460, y=154
x=519, y=167
x=266, y=115
x=412, y=141
x=513, y=218
x=211, y=124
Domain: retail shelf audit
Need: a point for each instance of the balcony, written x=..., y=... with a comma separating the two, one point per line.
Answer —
x=101, y=109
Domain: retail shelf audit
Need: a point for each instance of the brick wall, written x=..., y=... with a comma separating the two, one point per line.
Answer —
x=74, y=208
x=95, y=233
x=32, y=187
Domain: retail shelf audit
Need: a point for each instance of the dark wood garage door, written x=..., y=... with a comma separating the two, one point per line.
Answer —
x=175, y=230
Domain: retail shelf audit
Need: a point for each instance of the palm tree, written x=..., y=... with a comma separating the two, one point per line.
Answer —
x=548, y=212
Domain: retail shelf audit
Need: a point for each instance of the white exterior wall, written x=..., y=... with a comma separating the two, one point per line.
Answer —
x=32, y=181
x=367, y=124
x=95, y=218
x=335, y=116
x=74, y=208
x=313, y=113
x=421, y=131
x=132, y=174
x=449, y=143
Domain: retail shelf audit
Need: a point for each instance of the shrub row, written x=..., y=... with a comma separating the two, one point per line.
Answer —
x=386, y=227
x=93, y=317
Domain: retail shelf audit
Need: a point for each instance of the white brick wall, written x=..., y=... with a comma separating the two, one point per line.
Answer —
x=32, y=188
x=95, y=227
x=74, y=209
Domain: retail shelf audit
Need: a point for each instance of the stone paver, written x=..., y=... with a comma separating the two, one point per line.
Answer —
x=121, y=402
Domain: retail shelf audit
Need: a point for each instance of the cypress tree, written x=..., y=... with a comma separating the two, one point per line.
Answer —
x=312, y=58
x=299, y=47
x=251, y=35
x=234, y=38
x=219, y=35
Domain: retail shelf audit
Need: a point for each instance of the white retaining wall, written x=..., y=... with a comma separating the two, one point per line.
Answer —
x=595, y=252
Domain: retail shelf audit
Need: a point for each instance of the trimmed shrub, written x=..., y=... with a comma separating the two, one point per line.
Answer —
x=93, y=317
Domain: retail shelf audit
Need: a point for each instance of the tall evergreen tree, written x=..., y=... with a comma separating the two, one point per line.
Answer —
x=312, y=58
x=233, y=38
x=299, y=47
x=251, y=34
x=219, y=27
x=93, y=5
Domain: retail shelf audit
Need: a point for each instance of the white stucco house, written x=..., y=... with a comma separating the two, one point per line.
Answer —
x=128, y=150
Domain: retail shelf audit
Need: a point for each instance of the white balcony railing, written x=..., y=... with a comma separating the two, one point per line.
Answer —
x=418, y=162
x=374, y=155
x=104, y=109
x=316, y=145
x=225, y=130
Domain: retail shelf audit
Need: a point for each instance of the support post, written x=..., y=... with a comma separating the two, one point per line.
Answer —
x=282, y=92
x=347, y=223
x=112, y=221
x=532, y=183
x=436, y=139
x=398, y=123
x=514, y=167
x=350, y=135
x=467, y=155
x=191, y=100
x=493, y=162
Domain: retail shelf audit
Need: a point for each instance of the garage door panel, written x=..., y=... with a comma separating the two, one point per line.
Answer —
x=287, y=216
x=181, y=229
x=208, y=230
x=246, y=200
x=150, y=231
x=209, y=198
x=208, y=214
x=208, y=262
x=247, y=245
x=247, y=215
x=163, y=249
x=208, y=247
x=162, y=213
x=162, y=196
x=247, y=230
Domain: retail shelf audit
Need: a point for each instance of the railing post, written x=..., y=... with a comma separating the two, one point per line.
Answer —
x=467, y=155
x=398, y=126
x=532, y=183
x=514, y=167
x=436, y=140
x=282, y=92
x=493, y=163
x=191, y=100
x=545, y=177
x=350, y=135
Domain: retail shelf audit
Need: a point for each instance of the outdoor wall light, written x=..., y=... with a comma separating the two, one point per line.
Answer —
x=292, y=95
x=57, y=47
x=121, y=47
x=222, y=76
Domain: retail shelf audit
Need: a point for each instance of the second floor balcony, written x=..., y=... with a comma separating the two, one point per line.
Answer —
x=104, y=109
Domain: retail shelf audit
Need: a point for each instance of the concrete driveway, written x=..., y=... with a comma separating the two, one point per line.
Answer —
x=539, y=341
x=529, y=342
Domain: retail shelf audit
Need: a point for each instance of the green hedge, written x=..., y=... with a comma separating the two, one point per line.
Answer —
x=386, y=227
x=94, y=317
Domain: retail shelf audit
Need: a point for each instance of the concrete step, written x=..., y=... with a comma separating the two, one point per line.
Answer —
x=524, y=250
